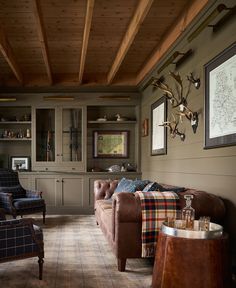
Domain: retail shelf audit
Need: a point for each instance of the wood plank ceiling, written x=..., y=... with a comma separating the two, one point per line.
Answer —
x=86, y=42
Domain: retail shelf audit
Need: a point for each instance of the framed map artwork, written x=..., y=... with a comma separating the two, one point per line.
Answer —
x=110, y=144
x=220, y=99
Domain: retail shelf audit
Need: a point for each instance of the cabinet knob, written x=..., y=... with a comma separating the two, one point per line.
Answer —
x=61, y=154
x=58, y=154
x=58, y=180
x=62, y=181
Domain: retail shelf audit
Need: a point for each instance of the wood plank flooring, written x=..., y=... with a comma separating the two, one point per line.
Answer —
x=76, y=256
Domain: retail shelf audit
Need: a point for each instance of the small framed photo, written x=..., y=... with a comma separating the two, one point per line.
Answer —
x=110, y=144
x=20, y=163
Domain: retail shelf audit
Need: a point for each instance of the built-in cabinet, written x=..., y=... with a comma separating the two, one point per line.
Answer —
x=60, y=142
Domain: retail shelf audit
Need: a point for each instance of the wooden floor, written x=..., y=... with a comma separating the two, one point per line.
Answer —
x=76, y=256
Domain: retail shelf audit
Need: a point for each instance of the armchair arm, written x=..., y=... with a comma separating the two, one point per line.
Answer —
x=103, y=189
x=33, y=194
x=6, y=201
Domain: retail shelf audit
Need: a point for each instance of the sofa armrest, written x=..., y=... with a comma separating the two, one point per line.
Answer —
x=126, y=207
x=103, y=189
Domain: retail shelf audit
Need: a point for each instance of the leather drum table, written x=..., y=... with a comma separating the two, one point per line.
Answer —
x=191, y=263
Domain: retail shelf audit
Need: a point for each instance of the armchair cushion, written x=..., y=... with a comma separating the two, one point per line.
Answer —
x=26, y=203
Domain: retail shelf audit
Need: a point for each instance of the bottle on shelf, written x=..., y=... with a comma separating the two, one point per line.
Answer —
x=188, y=212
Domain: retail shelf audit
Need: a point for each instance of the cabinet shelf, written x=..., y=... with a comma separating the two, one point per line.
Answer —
x=15, y=139
x=112, y=122
x=14, y=122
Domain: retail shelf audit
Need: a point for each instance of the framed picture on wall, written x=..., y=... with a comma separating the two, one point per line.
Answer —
x=220, y=101
x=20, y=163
x=158, y=132
x=110, y=144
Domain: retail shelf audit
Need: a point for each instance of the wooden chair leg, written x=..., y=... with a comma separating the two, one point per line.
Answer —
x=121, y=264
x=44, y=216
x=40, y=261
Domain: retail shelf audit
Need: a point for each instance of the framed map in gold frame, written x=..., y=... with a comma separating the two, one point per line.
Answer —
x=110, y=144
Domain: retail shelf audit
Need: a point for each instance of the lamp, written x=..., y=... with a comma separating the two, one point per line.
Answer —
x=212, y=16
x=114, y=97
x=59, y=98
x=171, y=59
x=7, y=99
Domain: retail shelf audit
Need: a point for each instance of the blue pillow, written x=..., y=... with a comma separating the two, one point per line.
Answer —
x=152, y=186
x=124, y=185
x=128, y=185
x=138, y=185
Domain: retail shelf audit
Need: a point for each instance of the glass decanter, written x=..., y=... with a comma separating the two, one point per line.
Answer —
x=188, y=212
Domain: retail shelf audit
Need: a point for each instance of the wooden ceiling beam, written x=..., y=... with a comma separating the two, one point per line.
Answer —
x=42, y=38
x=7, y=53
x=87, y=27
x=135, y=23
x=177, y=29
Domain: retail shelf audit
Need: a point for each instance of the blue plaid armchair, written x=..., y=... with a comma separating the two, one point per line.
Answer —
x=15, y=200
x=20, y=239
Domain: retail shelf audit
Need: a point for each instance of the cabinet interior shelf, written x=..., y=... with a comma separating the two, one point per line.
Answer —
x=15, y=139
x=15, y=122
x=112, y=122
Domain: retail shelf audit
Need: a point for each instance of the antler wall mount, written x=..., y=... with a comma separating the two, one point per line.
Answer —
x=178, y=101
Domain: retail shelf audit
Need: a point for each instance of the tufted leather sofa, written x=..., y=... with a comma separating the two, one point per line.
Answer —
x=120, y=218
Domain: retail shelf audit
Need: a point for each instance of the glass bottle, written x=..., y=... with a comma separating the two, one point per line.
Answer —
x=188, y=212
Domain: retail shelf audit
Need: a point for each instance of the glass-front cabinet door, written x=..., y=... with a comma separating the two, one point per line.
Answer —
x=58, y=142
x=45, y=135
x=71, y=135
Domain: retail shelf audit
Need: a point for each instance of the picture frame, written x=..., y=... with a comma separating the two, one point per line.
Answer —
x=220, y=91
x=158, y=132
x=145, y=127
x=110, y=144
x=20, y=163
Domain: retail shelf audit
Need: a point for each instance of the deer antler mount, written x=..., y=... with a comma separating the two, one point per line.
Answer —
x=179, y=100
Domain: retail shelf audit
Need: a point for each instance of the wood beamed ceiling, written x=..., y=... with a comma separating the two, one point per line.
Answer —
x=87, y=42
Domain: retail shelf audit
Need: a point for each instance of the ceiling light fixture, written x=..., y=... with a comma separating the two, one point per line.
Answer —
x=109, y=97
x=204, y=24
x=59, y=98
x=7, y=99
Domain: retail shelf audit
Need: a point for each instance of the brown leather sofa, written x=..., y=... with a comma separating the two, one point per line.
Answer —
x=120, y=218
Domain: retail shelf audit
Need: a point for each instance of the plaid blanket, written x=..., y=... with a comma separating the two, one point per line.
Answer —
x=156, y=207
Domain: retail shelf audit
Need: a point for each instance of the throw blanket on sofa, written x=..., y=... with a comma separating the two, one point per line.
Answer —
x=156, y=207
